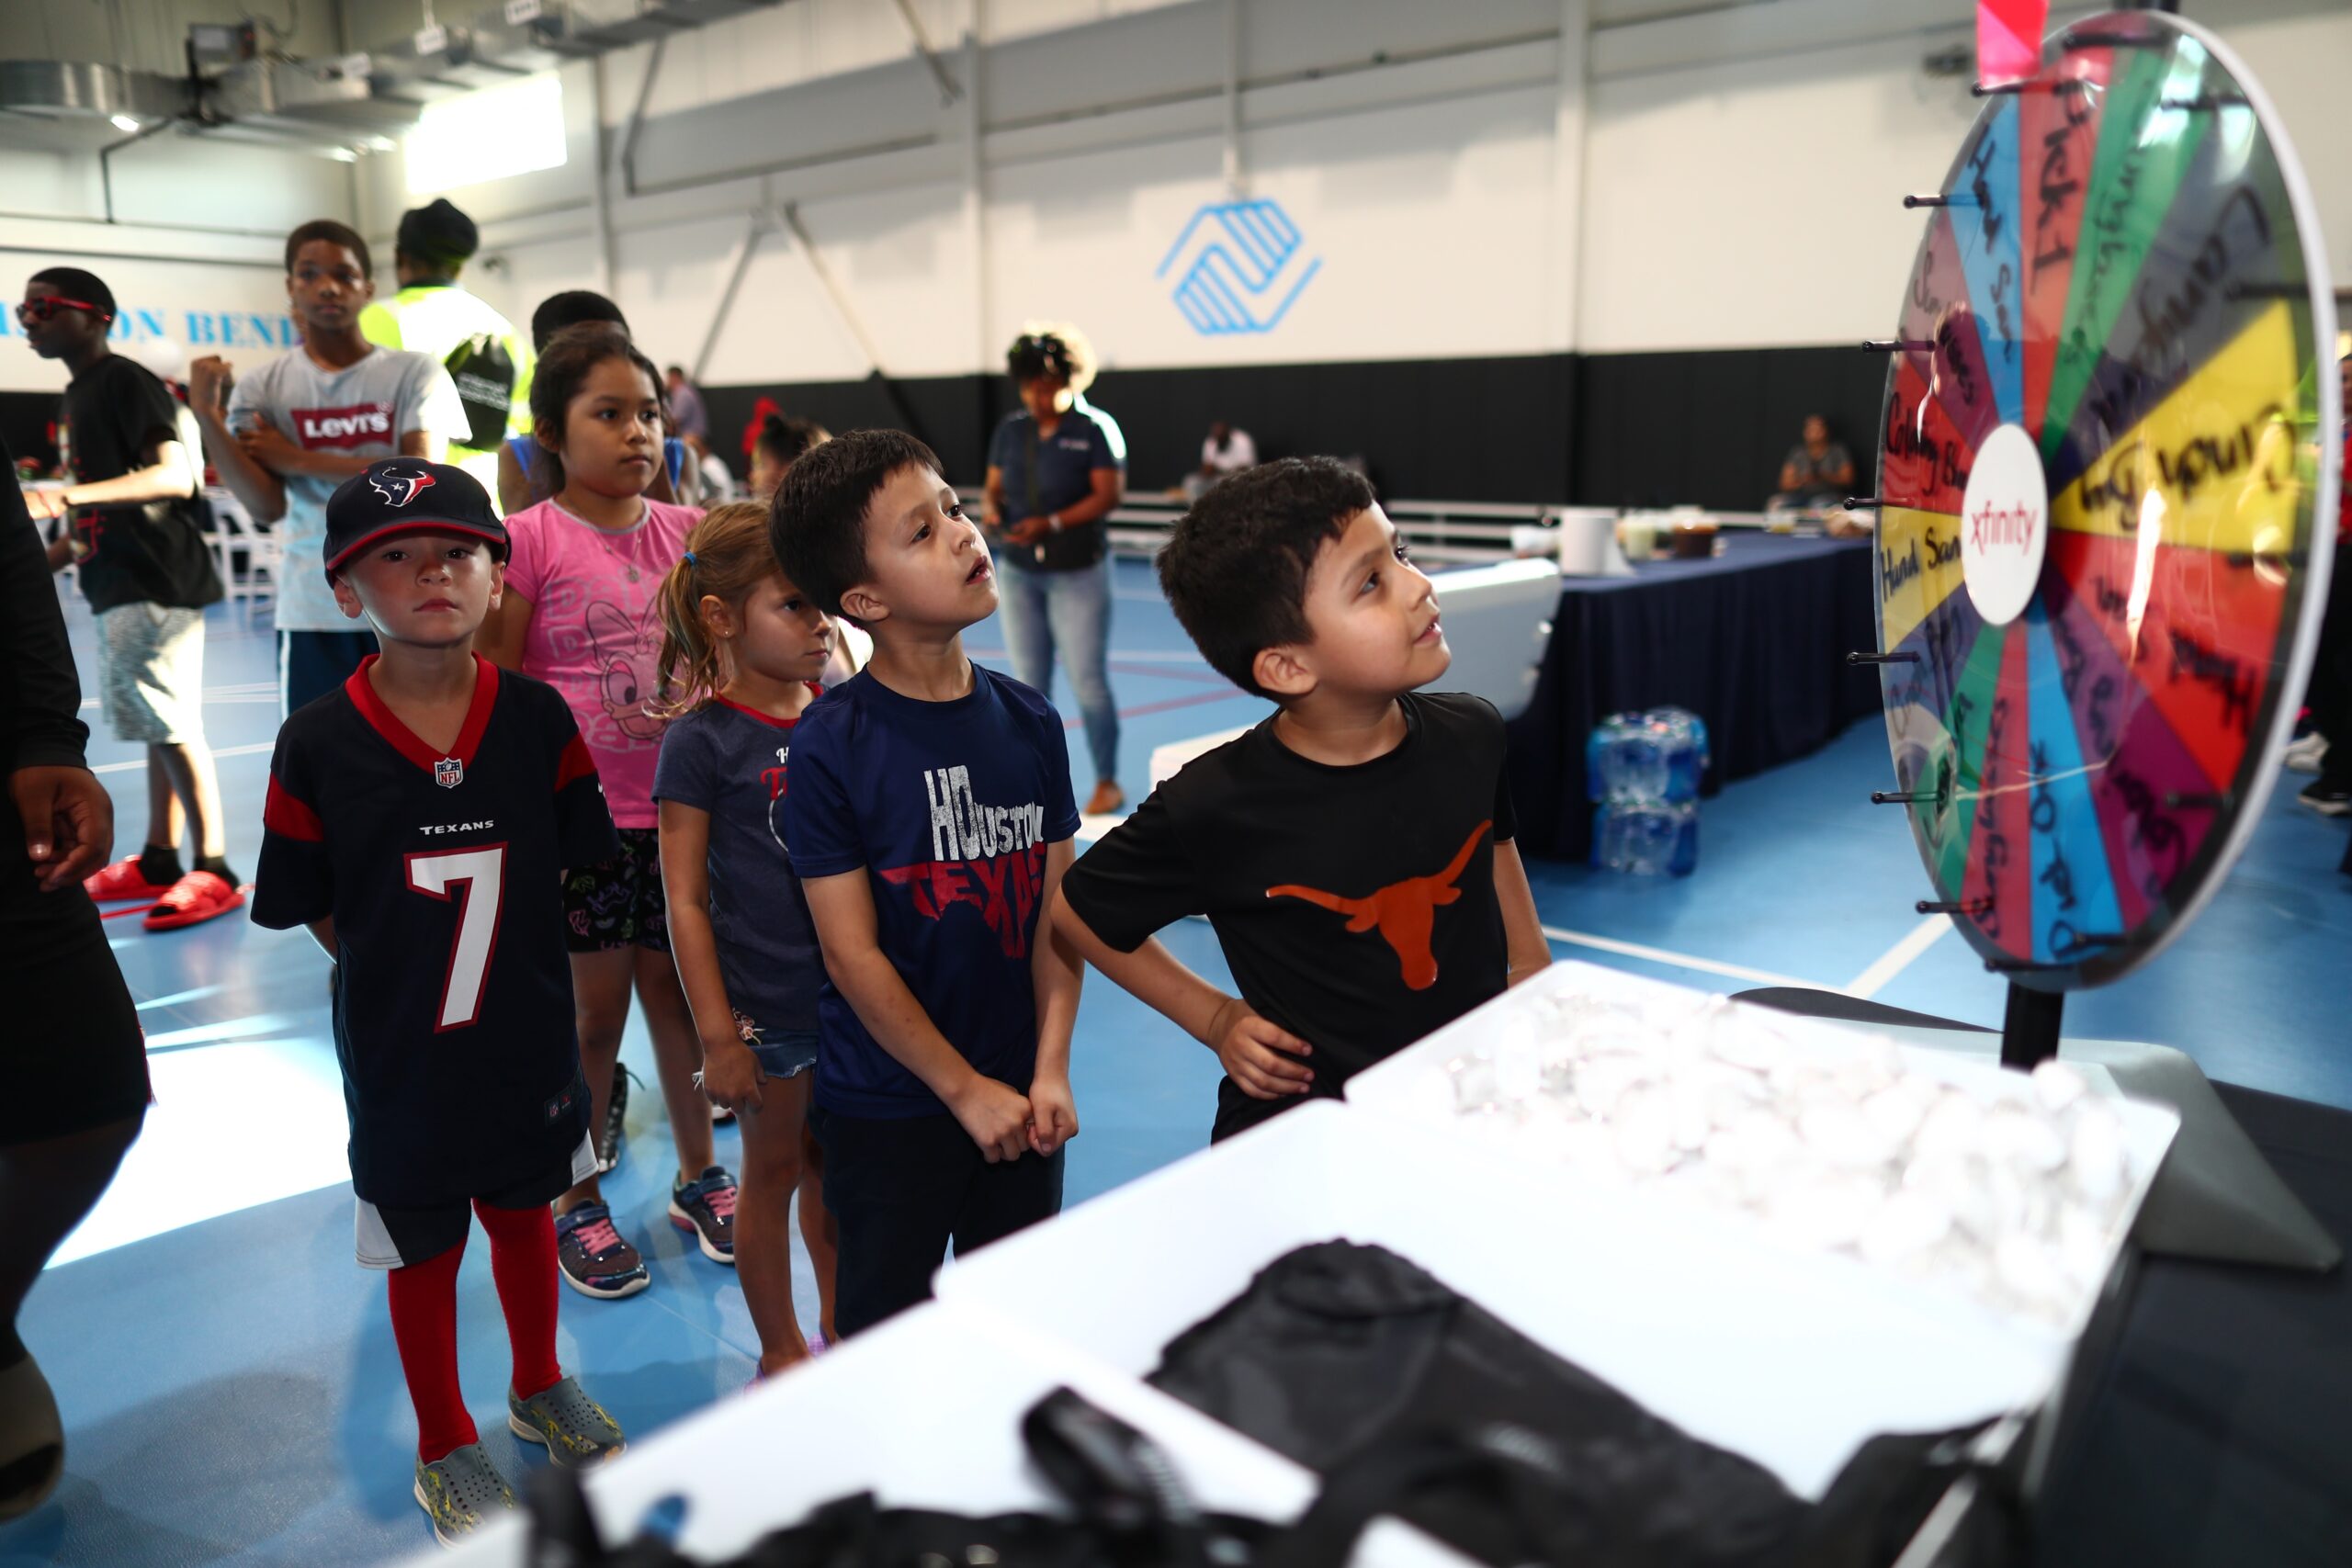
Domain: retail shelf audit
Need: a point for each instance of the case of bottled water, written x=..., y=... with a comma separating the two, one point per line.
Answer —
x=1643, y=769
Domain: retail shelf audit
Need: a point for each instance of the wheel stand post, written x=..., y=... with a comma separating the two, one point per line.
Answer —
x=2029, y=1027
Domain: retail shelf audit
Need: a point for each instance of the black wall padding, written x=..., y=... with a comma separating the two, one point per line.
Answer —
x=1451, y=429
x=1706, y=429
x=1429, y=430
x=1710, y=429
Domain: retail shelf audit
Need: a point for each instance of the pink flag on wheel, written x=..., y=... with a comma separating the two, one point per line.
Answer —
x=2009, y=39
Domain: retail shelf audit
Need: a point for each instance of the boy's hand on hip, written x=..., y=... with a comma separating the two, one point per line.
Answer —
x=995, y=1115
x=1258, y=1056
x=731, y=1074
x=1053, y=1113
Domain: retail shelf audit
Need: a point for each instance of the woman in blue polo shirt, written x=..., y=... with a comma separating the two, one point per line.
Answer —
x=1053, y=477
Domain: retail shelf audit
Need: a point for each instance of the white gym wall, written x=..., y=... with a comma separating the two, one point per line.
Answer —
x=1516, y=176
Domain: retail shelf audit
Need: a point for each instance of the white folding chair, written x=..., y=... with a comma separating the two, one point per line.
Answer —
x=1498, y=624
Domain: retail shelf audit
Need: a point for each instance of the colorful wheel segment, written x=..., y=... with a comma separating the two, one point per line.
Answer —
x=2115, y=304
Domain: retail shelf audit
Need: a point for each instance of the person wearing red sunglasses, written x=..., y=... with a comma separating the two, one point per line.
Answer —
x=135, y=542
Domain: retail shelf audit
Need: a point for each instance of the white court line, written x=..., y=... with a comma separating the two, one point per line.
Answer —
x=1680, y=960
x=1896, y=959
x=218, y=751
x=197, y=995
x=252, y=692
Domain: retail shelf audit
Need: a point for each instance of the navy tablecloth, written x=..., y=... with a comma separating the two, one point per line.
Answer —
x=1753, y=641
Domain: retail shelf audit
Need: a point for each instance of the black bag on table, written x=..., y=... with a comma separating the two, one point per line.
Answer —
x=1412, y=1400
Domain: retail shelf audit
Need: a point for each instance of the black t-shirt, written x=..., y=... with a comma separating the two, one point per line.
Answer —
x=1356, y=905
x=453, y=1014
x=152, y=553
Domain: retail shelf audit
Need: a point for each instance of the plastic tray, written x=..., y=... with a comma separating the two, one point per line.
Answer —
x=1768, y=1355
x=1413, y=1087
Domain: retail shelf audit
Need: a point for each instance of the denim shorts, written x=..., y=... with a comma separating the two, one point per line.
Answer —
x=781, y=1053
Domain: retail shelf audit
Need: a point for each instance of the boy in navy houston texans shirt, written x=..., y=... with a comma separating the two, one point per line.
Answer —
x=930, y=820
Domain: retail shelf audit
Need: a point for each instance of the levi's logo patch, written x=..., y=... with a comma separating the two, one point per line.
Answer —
x=365, y=424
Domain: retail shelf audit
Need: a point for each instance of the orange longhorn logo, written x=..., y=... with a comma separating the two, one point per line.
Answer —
x=1405, y=912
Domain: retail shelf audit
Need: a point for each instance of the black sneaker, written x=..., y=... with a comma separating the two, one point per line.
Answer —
x=2327, y=799
x=704, y=1209
x=592, y=1257
x=611, y=1137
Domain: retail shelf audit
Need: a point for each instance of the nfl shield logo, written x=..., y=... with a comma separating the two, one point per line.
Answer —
x=448, y=772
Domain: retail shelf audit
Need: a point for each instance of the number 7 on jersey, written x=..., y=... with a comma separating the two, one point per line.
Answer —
x=483, y=872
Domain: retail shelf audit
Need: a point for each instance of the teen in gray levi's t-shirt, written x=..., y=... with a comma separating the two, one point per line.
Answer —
x=361, y=411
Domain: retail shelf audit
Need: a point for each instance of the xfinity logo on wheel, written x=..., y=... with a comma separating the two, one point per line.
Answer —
x=2004, y=526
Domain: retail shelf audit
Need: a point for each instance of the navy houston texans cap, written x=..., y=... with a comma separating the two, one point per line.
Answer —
x=408, y=495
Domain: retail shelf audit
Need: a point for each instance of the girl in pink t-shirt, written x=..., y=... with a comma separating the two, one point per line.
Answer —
x=579, y=611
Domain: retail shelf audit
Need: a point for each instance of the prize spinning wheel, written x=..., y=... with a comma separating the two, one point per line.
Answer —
x=2107, y=486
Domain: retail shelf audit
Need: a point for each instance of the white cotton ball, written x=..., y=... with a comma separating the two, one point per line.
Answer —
x=1896, y=1110
x=1731, y=1094
x=1474, y=1082
x=1591, y=1149
x=2020, y=1136
x=1824, y=1213
x=1840, y=1134
x=1952, y=1126
x=1644, y=1127
x=1517, y=1075
x=1693, y=1120
x=1874, y=1064
x=1793, y=1078
x=2082, y=1247
x=1601, y=1081
x=1761, y=1142
x=1556, y=1068
x=1958, y=1183
x=1906, y=1227
x=2029, y=1271
x=1745, y=1043
x=2096, y=1160
x=2011, y=1198
x=2058, y=1086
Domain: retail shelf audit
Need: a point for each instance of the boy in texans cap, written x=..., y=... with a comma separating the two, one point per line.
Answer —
x=418, y=822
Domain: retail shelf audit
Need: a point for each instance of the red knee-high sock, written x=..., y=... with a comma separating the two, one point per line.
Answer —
x=522, y=1259
x=424, y=1326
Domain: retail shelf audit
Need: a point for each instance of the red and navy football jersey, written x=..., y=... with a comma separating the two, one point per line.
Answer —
x=443, y=872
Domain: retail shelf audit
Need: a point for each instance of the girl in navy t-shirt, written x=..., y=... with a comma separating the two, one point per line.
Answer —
x=740, y=659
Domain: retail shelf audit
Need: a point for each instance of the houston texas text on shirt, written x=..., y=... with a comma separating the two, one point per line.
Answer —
x=991, y=857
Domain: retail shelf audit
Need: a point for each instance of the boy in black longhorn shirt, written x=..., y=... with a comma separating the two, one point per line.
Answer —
x=1354, y=851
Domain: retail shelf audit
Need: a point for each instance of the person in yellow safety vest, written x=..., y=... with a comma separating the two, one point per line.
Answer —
x=434, y=314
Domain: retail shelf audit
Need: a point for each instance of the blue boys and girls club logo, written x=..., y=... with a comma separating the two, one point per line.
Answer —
x=1240, y=267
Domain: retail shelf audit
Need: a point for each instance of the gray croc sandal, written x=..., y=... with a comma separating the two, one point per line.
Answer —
x=462, y=1491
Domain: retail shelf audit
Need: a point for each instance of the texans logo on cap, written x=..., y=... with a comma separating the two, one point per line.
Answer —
x=407, y=495
x=398, y=488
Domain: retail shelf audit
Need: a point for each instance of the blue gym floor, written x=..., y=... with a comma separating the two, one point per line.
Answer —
x=227, y=1372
